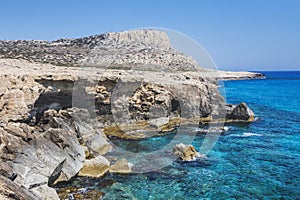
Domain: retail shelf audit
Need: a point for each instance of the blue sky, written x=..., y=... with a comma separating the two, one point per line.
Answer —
x=238, y=34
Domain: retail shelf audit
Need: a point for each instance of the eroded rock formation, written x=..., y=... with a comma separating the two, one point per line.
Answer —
x=52, y=117
x=240, y=112
x=186, y=152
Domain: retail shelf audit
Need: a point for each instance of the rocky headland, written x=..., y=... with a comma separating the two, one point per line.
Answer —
x=61, y=101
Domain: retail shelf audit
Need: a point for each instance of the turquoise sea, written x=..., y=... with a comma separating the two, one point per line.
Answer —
x=260, y=160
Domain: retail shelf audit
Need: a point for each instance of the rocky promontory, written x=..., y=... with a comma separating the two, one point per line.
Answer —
x=121, y=50
x=61, y=101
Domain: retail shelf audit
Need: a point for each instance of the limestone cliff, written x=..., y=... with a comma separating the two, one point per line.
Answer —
x=31, y=130
x=53, y=118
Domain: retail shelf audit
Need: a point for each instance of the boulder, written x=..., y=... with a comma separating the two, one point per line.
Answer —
x=93, y=140
x=158, y=122
x=45, y=192
x=95, y=167
x=91, y=137
x=54, y=156
x=185, y=152
x=36, y=157
x=121, y=166
x=97, y=143
x=240, y=112
x=11, y=190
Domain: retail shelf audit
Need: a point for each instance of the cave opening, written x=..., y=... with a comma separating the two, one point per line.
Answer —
x=57, y=96
x=175, y=106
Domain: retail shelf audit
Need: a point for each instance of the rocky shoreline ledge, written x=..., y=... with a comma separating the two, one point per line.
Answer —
x=55, y=121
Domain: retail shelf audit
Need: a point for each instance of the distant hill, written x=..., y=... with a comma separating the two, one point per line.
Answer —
x=135, y=49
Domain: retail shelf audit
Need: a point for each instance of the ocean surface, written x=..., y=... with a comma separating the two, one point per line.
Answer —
x=260, y=160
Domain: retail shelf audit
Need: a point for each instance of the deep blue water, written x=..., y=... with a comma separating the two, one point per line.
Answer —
x=260, y=160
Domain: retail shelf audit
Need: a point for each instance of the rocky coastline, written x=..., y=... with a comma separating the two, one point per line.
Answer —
x=61, y=101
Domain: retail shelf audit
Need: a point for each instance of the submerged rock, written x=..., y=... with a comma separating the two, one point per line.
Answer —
x=185, y=152
x=95, y=167
x=79, y=193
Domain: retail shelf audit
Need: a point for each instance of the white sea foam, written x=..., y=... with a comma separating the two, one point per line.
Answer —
x=226, y=128
x=246, y=134
x=257, y=119
x=219, y=129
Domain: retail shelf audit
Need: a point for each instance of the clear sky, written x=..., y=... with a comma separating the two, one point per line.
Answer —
x=238, y=34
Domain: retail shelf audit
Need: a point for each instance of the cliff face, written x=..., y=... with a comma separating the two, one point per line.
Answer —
x=29, y=89
x=53, y=118
x=49, y=114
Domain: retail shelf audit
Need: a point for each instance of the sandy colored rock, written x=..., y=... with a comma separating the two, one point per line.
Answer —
x=185, y=152
x=121, y=166
x=95, y=167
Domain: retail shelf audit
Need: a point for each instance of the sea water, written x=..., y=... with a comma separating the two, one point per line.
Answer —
x=260, y=160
